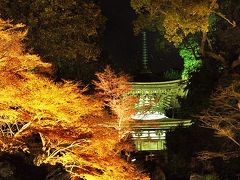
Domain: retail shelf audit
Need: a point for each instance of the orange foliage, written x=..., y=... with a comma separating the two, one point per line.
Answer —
x=68, y=122
x=113, y=90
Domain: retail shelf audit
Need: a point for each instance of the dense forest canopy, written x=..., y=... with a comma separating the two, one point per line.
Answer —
x=178, y=18
x=66, y=33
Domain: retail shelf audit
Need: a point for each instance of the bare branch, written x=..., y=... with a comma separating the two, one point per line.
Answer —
x=233, y=23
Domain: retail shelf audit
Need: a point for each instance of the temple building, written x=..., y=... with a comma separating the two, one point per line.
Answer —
x=151, y=122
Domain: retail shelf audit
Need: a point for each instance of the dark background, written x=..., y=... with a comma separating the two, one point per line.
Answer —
x=123, y=49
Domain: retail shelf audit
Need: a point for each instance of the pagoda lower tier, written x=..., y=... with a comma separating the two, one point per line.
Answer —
x=150, y=135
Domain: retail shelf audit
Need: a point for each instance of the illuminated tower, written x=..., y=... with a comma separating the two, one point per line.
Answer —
x=155, y=97
x=145, y=65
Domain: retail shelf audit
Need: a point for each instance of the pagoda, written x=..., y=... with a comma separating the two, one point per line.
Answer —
x=155, y=97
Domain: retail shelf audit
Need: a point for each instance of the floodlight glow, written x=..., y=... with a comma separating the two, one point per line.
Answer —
x=148, y=116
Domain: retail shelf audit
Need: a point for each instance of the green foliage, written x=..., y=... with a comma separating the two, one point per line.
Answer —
x=172, y=74
x=190, y=53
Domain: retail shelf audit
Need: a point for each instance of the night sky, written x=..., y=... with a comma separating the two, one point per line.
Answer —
x=123, y=48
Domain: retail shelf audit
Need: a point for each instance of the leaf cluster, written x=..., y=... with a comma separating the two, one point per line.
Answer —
x=190, y=52
x=177, y=18
x=69, y=125
x=58, y=30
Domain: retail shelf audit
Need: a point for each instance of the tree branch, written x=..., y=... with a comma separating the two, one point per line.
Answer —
x=233, y=23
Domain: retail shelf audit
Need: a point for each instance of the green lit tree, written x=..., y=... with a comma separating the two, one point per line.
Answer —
x=190, y=52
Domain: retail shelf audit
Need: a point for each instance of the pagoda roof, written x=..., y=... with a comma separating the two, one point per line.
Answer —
x=164, y=123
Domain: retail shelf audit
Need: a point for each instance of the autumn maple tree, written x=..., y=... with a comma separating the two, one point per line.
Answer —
x=70, y=125
x=114, y=90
